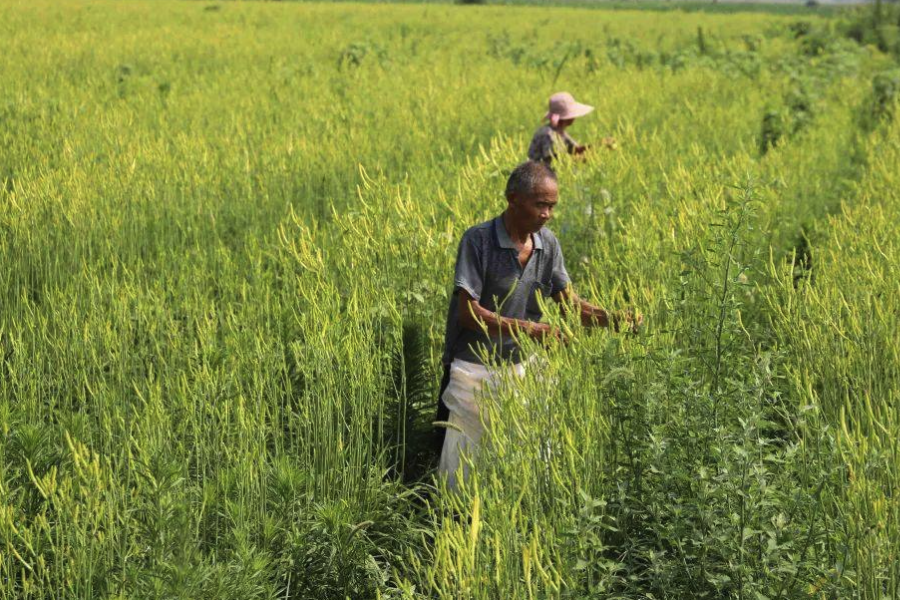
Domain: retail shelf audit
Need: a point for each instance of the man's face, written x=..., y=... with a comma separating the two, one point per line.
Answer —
x=532, y=211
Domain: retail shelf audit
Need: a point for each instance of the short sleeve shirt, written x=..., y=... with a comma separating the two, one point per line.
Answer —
x=488, y=268
x=547, y=143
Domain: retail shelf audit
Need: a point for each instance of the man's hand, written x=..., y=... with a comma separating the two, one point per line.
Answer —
x=581, y=149
x=593, y=316
x=543, y=332
x=630, y=320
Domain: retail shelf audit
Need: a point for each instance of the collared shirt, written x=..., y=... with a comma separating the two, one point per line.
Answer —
x=488, y=268
x=547, y=143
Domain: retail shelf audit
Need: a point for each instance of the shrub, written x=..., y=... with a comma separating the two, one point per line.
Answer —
x=882, y=102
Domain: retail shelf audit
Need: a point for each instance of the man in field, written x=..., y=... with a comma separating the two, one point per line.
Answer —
x=501, y=267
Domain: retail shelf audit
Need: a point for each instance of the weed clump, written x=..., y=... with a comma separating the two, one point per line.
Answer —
x=413, y=403
x=877, y=25
x=800, y=28
x=354, y=54
x=882, y=102
x=772, y=130
x=780, y=124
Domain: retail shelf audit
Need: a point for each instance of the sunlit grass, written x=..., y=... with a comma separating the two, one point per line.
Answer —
x=226, y=243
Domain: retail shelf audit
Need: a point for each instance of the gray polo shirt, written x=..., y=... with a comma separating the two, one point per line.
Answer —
x=487, y=267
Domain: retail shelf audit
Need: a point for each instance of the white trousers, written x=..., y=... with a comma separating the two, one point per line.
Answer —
x=468, y=382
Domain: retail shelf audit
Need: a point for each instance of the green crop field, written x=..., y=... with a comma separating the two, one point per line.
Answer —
x=227, y=238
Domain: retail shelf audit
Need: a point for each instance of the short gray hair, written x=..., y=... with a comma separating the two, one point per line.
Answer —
x=527, y=176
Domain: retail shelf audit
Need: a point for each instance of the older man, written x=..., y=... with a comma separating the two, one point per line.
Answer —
x=501, y=267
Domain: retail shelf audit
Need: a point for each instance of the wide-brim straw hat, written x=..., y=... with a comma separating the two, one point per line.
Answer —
x=563, y=106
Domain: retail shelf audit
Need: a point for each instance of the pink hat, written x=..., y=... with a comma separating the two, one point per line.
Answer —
x=563, y=106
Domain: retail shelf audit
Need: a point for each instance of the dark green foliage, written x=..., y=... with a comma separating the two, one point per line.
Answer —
x=772, y=130
x=415, y=397
x=123, y=72
x=752, y=42
x=882, y=102
x=786, y=122
x=800, y=28
x=123, y=75
x=707, y=503
x=337, y=552
x=33, y=450
x=815, y=44
x=820, y=56
x=800, y=104
x=354, y=54
x=877, y=24
x=801, y=257
x=885, y=92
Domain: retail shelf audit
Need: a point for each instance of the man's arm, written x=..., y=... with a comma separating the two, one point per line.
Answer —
x=475, y=317
x=594, y=316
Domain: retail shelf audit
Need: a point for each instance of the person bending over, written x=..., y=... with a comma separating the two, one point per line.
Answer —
x=552, y=139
